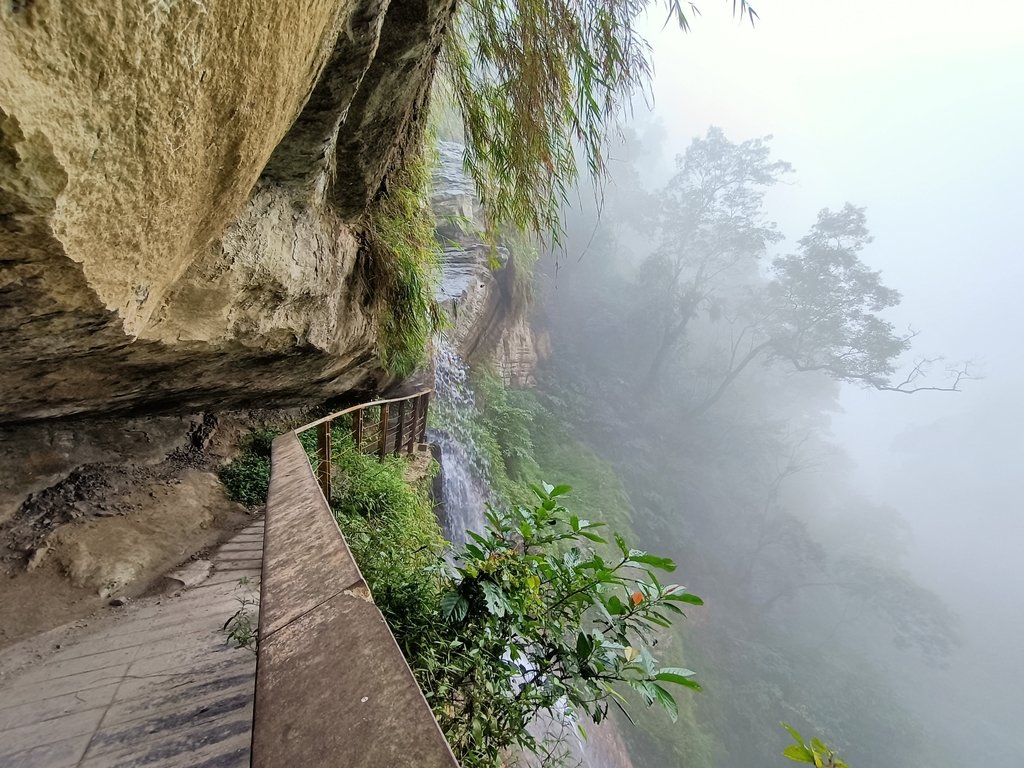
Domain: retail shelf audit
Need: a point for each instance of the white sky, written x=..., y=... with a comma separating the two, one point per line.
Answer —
x=915, y=110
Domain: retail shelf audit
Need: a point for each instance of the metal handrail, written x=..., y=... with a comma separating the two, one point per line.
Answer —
x=407, y=431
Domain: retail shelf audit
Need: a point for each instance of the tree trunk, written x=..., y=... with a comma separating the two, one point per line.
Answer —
x=669, y=338
x=730, y=377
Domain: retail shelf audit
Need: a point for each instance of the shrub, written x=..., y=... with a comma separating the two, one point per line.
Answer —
x=393, y=533
x=247, y=477
x=532, y=619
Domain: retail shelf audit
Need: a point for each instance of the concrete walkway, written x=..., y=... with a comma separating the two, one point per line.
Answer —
x=153, y=685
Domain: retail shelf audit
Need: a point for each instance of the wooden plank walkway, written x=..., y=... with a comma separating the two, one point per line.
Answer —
x=156, y=685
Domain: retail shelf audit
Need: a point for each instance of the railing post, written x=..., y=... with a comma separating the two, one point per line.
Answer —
x=401, y=427
x=425, y=398
x=382, y=448
x=357, y=429
x=323, y=455
x=414, y=425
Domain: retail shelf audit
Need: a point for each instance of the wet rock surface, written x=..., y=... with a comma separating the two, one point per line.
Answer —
x=477, y=282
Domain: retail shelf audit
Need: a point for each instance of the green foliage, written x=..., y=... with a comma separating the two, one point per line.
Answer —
x=814, y=751
x=373, y=502
x=539, y=84
x=527, y=440
x=247, y=477
x=478, y=433
x=393, y=533
x=532, y=615
x=537, y=619
x=523, y=257
x=403, y=266
x=241, y=628
x=507, y=416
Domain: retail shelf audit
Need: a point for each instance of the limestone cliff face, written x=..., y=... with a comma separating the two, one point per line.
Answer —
x=182, y=184
x=478, y=290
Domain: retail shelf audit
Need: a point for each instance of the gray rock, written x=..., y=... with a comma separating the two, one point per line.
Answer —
x=190, y=575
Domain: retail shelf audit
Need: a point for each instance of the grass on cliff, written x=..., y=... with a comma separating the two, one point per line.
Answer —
x=527, y=442
x=404, y=266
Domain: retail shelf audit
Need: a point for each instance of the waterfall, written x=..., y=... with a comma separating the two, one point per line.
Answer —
x=465, y=470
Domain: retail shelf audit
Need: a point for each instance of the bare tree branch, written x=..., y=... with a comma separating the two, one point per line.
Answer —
x=957, y=374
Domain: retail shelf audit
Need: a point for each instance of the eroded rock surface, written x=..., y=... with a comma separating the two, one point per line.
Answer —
x=477, y=287
x=181, y=192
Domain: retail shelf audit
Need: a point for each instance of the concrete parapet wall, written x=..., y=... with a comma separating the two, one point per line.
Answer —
x=332, y=686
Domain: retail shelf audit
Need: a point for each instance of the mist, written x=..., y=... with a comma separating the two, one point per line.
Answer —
x=911, y=111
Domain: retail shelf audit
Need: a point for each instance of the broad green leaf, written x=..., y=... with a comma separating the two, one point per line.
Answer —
x=798, y=753
x=560, y=490
x=584, y=645
x=667, y=701
x=684, y=597
x=615, y=606
x=674, y=672
x=664, y=563
x=593, y=537
x=818, y=746
x=454, y=606
x=794, y=733
x=495, y=598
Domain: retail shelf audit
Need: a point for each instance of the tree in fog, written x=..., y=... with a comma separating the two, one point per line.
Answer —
x=820, y=312
x=709, y=226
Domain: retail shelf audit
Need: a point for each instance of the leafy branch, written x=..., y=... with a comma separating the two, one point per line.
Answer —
x=540, y=622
